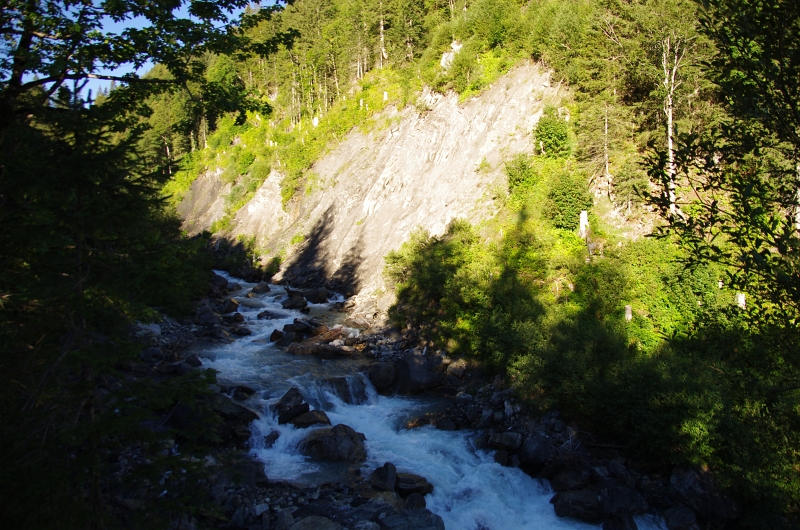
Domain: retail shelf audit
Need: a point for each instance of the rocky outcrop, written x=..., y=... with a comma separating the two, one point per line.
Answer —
x=426, y=169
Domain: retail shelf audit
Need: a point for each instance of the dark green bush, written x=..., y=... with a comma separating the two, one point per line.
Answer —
x=569, y=194
x=551, y=135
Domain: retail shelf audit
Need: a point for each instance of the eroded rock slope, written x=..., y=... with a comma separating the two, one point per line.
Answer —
x=435, y=161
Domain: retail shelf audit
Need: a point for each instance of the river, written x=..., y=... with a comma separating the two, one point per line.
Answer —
x=471, y=491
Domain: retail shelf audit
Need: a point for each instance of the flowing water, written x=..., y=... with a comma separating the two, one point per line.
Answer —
x=471, y=491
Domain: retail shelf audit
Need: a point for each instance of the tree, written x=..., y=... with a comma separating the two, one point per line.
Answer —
x=744, y=174
x=86, y=244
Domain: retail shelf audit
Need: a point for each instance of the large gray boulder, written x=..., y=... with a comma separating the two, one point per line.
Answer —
x=418, y=371
x=408, y=483
x=339, y=443
x=381, y=375
x=535, y=453
x=291, y=405
x=313, y=417
x=582, y=504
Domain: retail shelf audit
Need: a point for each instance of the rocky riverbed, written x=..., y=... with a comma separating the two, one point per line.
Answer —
x=593, y=481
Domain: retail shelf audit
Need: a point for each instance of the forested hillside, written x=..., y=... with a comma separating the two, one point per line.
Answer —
x=667, y=328
x=676, y=108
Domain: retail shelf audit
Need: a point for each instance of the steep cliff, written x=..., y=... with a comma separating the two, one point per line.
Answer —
x=429, y=164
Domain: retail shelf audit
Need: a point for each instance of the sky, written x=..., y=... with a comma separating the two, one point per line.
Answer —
x=118, y=27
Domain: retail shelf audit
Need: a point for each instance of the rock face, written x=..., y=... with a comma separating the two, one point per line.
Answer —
x=339, y=443
x=421, y=171
x=418, y=371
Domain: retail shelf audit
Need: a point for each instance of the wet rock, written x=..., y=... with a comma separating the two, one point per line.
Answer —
x=569, y=480
x=422, y=519
x=236, y=318
x=680, y=518
x=241, y=331
x=339, y=443
x=260, y=288
x=535, y=453
x=446, y=424
x=193, y=360
x=581, y=504
x=381, y=375
x=271, y=438
x=230, y=306
x=697, y=491
x=233, y=286
x=415, y=372
x=318, y=296
x=313, y=417
x=408, y=483
x=295, y=301
x=617, y=498
x=276, y=335
x=505, y=440
x=218, y=281
x=385, y=477
x=270, y=315
x=315, y=522
x=620, y=522
x=501, y=457
x=351, y=390
x=285, y=340
x=415, y=501
x=242, y=392
x=152, y=355
x=291, y=405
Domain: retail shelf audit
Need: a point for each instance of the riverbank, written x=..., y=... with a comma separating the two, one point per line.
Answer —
x=593, y=481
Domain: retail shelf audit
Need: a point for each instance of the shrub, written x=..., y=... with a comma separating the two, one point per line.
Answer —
x=245, y=160
x=551, y=135
x=569, y=194
x=520, y=171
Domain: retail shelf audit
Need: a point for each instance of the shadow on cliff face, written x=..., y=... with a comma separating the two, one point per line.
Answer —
x=312, y=265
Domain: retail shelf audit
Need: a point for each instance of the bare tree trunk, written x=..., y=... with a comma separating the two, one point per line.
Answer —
x=383, y=54
x=608, y=175
x=672, y=55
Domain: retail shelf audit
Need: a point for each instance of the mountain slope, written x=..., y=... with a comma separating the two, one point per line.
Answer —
x=432, y=163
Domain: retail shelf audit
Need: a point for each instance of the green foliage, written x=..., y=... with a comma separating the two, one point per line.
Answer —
x=520, y=172
x=551, y=135
x=245, y=160
x=568, y=195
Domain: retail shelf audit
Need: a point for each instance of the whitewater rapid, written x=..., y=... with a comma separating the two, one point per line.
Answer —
x=471, y=491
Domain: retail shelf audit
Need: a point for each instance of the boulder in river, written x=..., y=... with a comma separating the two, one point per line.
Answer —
x=270, y=315
x=230, y=306
x=318, y=296
x=260, y=287
x=312, y=417
x=294, y=301
x=339, y=443
x=417, y=372
x=535, y=453
x=408, y=483
x=381, y=375
x=351, y=390
x=291, y=405
x=581, y=504
x=384, y=478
